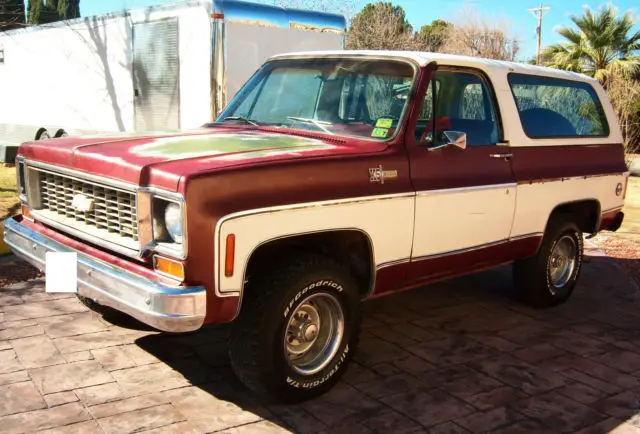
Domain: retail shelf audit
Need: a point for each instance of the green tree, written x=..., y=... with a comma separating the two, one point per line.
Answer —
x=41, y=12
x=11, y=14
x=68, y=9
x=603, y=45
x=432, y=37
x=33, y=11
x=599, y=43
x=380, y=26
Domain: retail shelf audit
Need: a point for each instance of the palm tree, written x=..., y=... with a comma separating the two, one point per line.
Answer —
x=600, y=45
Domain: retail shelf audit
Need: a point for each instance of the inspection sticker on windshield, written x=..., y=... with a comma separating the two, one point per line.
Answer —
x=384, y=123
x=61, y=272
x=380, y=132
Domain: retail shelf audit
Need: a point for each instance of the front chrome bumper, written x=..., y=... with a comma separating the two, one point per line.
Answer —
x=167, y=308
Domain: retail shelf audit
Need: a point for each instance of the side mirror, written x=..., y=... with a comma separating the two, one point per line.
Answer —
x=451, y=138
x=455, y=138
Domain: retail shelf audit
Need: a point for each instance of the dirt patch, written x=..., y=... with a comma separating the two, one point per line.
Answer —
x=624, y=250
x=624, y=245
x=17, y=271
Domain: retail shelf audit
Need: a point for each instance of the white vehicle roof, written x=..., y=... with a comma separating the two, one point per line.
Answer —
x=423, y=58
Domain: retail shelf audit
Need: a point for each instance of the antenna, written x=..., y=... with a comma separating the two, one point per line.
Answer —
x=539, y=12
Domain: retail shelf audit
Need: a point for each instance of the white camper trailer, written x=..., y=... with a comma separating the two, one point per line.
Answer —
x=166, y=67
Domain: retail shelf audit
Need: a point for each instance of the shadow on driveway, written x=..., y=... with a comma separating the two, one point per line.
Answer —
x=457, y=356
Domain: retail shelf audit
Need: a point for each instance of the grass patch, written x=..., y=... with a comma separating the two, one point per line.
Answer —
x=7, y=181
x=8, y=192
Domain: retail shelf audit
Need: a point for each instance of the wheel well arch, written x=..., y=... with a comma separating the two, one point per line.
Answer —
x=349, y=246
x=586, y=214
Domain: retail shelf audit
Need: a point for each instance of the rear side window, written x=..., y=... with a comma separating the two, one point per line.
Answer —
x=551, y=107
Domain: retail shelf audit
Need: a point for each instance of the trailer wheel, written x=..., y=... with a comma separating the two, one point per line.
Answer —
x=43, y=135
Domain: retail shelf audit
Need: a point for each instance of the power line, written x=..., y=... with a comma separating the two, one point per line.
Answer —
x=539, y=12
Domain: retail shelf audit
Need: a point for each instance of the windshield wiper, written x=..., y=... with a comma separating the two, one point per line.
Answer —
x=243, y=119
x=319, y=124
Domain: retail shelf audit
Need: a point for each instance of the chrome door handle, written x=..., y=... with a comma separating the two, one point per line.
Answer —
x=500, y=155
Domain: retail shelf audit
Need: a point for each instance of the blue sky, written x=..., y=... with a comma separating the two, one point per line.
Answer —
x=424, y=11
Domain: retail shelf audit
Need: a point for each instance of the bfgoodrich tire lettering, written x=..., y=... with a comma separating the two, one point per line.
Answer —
x=549, y=278
x=278, y=317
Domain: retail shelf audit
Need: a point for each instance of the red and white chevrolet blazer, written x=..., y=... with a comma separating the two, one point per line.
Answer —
x=330, y=178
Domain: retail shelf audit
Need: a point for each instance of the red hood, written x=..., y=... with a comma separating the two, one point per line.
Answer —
x=161, y=160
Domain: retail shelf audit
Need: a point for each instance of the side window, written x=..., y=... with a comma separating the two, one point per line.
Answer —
x=367, y=98
x=472, y=103
x=424, y=123
x=463, y=103
x=551, y=107
x=350, y=98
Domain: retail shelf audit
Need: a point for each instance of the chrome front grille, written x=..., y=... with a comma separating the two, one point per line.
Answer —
x=109, y=213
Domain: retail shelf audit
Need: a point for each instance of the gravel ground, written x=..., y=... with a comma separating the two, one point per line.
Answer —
x=624, y=248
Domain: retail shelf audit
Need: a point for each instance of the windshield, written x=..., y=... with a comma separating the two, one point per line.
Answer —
x=353, y=97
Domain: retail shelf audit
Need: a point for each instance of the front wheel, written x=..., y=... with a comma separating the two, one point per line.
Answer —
x=548, y=279
x=297, y=330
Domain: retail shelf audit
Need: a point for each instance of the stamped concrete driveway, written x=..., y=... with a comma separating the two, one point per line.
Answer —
x=456, y=357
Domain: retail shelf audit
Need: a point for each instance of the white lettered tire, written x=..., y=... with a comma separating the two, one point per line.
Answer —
x=549, y=278
x=297, y=329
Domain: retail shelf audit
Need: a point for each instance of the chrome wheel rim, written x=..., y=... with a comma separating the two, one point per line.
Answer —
x=563, y=261
x=314, y=333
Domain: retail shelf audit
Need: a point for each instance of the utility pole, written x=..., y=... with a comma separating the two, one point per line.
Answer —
x=539, y=12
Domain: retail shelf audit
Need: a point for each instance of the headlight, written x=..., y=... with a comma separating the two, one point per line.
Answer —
x=167, y=221
x=173, y=222
x=159, y=229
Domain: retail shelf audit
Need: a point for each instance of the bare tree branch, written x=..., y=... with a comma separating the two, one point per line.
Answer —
x=477, y=35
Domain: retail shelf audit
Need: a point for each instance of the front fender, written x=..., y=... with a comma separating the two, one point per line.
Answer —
x=387, y=221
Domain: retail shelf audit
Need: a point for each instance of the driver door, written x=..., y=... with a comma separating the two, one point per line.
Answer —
x=465, y=198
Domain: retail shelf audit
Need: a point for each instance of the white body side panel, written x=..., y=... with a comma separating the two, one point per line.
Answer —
x=536, y=201
x=451, y=220
x=446, y=221
x=388, y=222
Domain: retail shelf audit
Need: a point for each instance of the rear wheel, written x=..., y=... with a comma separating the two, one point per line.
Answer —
x=297, y=329
x=549, y=278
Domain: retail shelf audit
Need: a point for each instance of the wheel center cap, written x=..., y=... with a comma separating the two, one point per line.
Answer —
x=310, y=332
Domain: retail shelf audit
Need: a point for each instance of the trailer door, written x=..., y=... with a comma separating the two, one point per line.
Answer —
x=156, y=75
